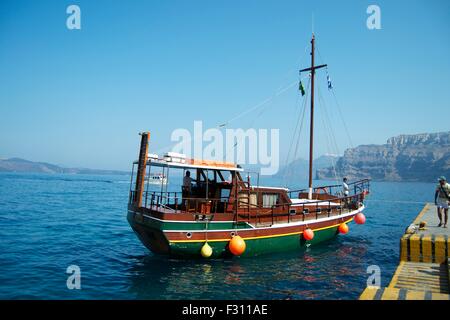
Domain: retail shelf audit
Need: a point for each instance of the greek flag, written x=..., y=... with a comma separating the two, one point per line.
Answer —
x=330, y=86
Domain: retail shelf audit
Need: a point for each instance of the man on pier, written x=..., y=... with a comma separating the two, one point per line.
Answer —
x=441, y=199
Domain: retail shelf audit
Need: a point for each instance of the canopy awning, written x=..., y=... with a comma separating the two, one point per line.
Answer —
x=195, y=164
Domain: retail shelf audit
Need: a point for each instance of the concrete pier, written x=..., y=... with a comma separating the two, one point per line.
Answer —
x=423, y=271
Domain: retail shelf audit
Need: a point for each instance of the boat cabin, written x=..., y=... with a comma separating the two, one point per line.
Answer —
x=219, y=187
x=214, y=186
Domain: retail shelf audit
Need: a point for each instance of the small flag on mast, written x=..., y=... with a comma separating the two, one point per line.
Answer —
x=330, y=86
x=300, y=87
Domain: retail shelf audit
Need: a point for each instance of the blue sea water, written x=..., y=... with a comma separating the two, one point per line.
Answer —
x=49, y=222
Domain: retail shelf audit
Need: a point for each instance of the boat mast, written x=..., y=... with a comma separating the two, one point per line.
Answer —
x=311, y=128
x=142, y=164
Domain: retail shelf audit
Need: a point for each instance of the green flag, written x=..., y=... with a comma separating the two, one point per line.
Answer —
x=300, y=87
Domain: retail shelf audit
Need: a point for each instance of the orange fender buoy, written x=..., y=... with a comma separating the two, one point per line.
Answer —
x=237, y=245
x=308, y=234
x=343, y=228
x=360, y=218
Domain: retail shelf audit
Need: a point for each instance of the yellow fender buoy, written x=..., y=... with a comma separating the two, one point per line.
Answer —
x=206, y=251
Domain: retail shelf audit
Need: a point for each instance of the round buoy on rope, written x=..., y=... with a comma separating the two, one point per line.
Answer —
x=343, y=228
x=206, y=250
x=308, y=234
x=360, y=218
x=237, y=245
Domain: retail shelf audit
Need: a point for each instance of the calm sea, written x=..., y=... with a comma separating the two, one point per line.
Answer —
x=48, y=222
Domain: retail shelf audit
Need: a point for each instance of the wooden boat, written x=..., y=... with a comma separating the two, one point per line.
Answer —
x=223, y=217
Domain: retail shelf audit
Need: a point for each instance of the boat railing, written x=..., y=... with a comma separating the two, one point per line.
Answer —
x=176, y=203
x=361, y=186
x=336, y=189
x=307, y=210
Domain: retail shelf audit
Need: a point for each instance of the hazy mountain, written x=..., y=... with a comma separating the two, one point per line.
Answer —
x=22, y=165
x=300, y=167
x=417, y=157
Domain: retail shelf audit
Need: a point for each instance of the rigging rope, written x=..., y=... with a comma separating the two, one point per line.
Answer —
x=342, y=118
x=264, y=105
x=330, y=87
x=259, y=105
x=280, y=91
x=255, y=107
x=300, y=120
x=257, y=116
x=329, y=133
x=328, y=143
x=328, y=121
x=338, y=107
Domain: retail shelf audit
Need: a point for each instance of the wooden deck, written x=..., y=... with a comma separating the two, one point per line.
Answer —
x=423, y=272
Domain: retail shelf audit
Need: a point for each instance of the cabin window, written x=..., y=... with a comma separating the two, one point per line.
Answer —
x=269, y=200
x=225, y=193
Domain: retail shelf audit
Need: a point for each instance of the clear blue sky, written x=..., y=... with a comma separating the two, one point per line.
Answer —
x=80, y=97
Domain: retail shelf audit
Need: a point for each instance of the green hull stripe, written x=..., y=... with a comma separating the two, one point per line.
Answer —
x=262, y=237
x=253, y=246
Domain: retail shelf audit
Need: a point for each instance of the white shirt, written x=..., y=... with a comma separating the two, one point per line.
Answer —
x=446, y=188
x=346, y=189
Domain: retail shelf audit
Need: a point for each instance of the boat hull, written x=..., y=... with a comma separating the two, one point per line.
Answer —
x=254, y=247
x=169, y=237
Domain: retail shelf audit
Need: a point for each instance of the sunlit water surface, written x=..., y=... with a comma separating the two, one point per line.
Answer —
x=48, y=222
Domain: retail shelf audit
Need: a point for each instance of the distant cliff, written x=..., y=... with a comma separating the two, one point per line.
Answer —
x=418, y=157
x=22, y=165
x=299, y=168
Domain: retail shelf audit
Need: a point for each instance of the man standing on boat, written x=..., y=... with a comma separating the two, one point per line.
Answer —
x=187, y=185
x=345, y=190
x=345, y=187
x=441, y=199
